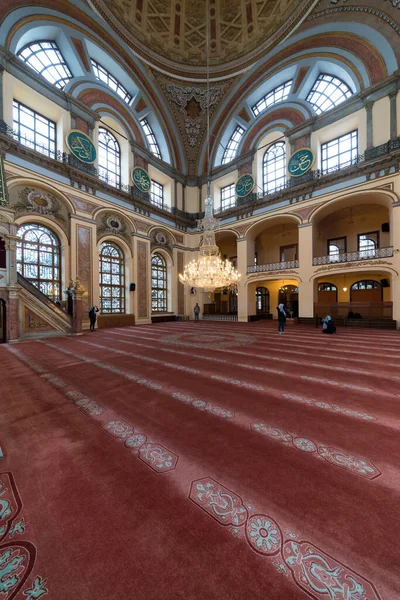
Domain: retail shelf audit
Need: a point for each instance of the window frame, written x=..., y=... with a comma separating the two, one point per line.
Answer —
x=233, y=144
x=272, y=93
x=371, y=252
x=114, y=178
x=121, y=274
x=159, y=301
x=288, y=247
x=340, y=165
x=229, y=201
x=119, y=89
x=65, y=78
x=276, y=188
x=33, y=143
x=262, y=298
x=328, y=97
x=151, y=138
x=154, y=196
x=55, y=263
x=336, y=239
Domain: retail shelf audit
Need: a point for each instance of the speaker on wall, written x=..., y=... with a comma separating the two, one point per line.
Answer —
x=385, y=227
x=132, y=287
x=385, y=283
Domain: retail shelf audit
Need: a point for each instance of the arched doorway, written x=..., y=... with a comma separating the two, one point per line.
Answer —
x=3, y=322
x=289, y=296
x=327, y=292
x=366, y=290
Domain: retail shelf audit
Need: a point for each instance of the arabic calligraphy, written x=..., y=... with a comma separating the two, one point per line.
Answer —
x=81, y=146
x=244, y=185
x=141, y=179
x=300, y=162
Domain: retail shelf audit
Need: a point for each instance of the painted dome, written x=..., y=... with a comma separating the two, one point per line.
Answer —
x=171, y=34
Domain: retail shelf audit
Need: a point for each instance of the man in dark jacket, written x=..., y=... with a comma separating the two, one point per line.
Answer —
x=92, y=316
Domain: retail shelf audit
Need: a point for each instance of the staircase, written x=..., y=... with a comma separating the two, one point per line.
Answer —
x=40, y=316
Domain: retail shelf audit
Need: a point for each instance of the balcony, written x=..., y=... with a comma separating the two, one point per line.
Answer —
x=354, y=256
x=280, y=266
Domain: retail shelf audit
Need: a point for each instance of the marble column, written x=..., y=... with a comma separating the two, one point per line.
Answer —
x=370, y=138
x=393, y=115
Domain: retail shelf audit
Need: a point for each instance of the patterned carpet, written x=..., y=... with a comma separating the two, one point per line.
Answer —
x=201, y=460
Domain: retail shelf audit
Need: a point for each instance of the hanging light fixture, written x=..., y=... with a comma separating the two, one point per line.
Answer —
x=210, y=272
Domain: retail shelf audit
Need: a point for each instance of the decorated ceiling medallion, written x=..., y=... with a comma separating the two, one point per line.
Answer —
x=170, y=35
x=81, y=146
x=300, y=162
x=141, y=179
x=244, y=185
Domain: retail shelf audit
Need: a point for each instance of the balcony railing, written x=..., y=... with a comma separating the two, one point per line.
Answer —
x=353, y=256
x=280, y=266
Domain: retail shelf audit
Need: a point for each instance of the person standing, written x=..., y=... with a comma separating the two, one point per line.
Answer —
x=281, y=318
x=93, y=316
x=196, y=312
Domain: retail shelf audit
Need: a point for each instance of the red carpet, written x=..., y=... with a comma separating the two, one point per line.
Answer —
x=201, y=461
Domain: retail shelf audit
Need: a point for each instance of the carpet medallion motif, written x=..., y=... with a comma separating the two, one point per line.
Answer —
x=319, y=575
x=208, y=340
x=17, y=557
x=354, y=464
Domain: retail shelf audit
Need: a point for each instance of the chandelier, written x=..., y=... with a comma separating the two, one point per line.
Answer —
x=210, y=272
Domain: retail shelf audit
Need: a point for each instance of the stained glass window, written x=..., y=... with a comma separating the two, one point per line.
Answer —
x=158, y=284
x=46, y=59
x=327, y=92
x=38, y=259
x=109, y=158
x=112, y=278
x=103, y=75
x=274, y=168
x=34, y=130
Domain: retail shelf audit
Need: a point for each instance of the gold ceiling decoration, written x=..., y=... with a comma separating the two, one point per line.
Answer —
x=171, y=34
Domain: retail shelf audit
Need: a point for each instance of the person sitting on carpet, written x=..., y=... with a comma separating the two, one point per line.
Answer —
x=328, y=325
x=92, y=316
x=281, y=318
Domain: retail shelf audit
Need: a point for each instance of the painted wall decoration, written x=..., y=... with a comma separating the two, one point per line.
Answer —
x=244, y=185
x=141, y=179
x=84, y=269
x=300, y=162
x=142, y=258
x=113, y=225
x=33, y=200
x=81, y=146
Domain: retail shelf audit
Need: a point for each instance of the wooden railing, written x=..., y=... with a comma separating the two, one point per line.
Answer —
x=367, y=310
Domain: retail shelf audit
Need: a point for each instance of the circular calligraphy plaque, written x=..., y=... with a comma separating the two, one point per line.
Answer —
x=81, y=146
x=244, y=185
x=301, y=162
x=141, y=179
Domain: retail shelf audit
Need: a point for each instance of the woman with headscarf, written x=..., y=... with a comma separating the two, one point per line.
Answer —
x=328, y=326
x=281, y=318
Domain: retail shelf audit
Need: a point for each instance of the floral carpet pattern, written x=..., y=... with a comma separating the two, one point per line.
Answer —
x=201, y=460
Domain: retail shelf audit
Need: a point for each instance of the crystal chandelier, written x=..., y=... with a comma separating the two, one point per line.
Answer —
x=210, y=272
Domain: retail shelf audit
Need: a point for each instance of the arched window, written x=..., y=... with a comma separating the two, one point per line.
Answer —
x=109, y=158
x=334, y=252
x=105, y=76
x=262, y=300
x=158, y=284
x=274, y=168
x=112, y=278
x=367, y=244
x=233, y=145
x=366, y=284
x=46, y=59
x=327, y=287
x=279, y=94
x=38, y=259
x=151, y=138
x=327, y=92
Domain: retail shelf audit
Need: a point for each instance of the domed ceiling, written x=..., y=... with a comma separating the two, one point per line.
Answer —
x=171, y=34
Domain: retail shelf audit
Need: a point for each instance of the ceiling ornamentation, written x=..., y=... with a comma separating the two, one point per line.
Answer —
x=189, y=105
x=171, y=34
